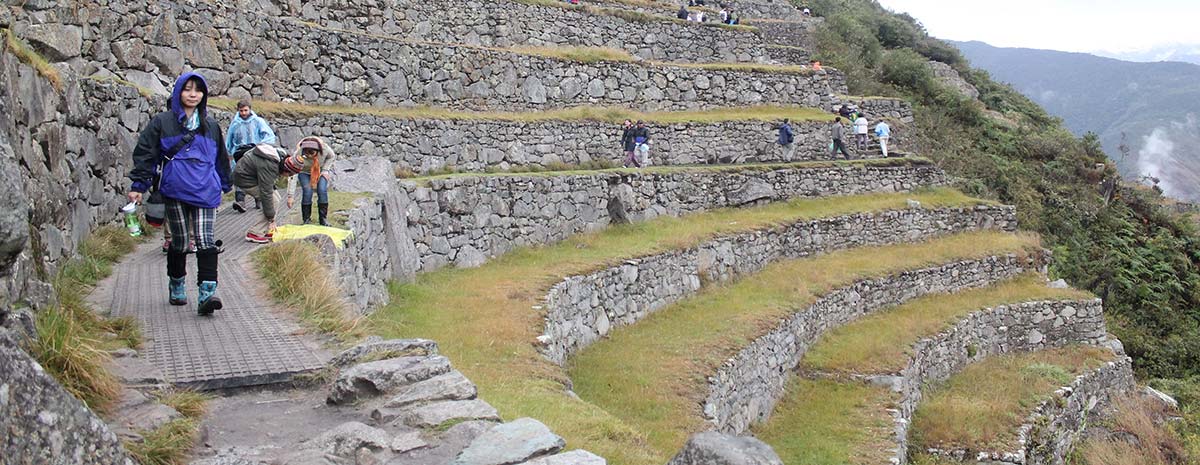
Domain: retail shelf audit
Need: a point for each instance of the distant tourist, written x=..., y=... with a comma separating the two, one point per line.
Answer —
x=317, y=174
x=256, y=174
x=190, y=149
x=629, y=146
x=883, y=132
x=860, y=131
x=806, y=11
x=844, y=111
x=700, y=17
x=641, y=139
x=733, y=18
x=724, y=14
x=836, y=130
x=787, y=139
x=245, y=131
x=816, y=65
x=683, y=13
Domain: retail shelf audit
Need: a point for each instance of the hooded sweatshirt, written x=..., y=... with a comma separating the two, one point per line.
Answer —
x=323, y=162
x=259, y=169
x=250, y=131
x=196, y=174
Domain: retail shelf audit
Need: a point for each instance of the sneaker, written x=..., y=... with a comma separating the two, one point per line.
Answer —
x=237, y=207
x=257, y=239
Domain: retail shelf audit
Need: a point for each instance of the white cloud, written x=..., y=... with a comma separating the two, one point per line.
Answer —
x=1155, y=156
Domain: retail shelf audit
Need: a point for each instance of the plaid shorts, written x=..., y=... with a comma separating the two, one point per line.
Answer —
x=186, y=222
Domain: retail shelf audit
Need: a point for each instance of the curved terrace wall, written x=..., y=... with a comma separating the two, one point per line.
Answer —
x=243, y=54
x=1003, y=329
x=463, y=220
x=423, y=145
x=505, y=23
x=745, y=389
x=582, y=309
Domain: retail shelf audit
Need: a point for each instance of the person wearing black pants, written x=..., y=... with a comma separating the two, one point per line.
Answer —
x=836, y=130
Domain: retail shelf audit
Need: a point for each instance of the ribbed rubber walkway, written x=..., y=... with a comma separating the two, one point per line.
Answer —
x=245, y=343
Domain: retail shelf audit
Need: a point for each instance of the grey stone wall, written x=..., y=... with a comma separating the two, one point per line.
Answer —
x=1003, y=329
x=796, y=33
x=43, y=424
x=788, y=54
x=464, y=220
x=274, y=58
x=582, y=309
x=505, y=23
x=767, y=9
x=425, y=145
x=69, y=151
x=745, y=388
x=895, y=111
x=1049, y=434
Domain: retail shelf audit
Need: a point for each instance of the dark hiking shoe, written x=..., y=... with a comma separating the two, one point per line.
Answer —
x=209, y=302
x=178, y=294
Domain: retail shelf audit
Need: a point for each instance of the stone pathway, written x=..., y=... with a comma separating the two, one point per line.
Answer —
x=248, y=342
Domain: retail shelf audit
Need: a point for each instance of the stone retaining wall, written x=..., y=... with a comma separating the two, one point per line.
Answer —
x=768, y=9
x=505, y=23
x=1003, y=329
x=582, y=309
x=745, y=388
x=70, y=152
x=799, y=34
x=476, y=145
x=894, y=110
x=464, y=220
x=788, y=54
x=298, y=61
x=1049, y=434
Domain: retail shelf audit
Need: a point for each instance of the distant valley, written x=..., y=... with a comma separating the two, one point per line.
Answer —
x=1155, y=105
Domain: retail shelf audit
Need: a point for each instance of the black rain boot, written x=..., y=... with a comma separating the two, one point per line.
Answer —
x=305, y=212
x=176, y=270
x=322, y=213
x=206, y=278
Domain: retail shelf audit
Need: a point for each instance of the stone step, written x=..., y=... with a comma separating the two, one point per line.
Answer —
x=1056, y=394
x=885, y=359
x=383, y=377
x=649, y=34
x=733, y=345
x=472, y=142
x=365, y=69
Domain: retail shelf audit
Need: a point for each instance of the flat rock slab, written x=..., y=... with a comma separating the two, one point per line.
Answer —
x=450, y=386
x=575, y=457
x=385, y=376
x=348, y=437
x=375, y=345
x=713, y=448
x=511, y=443
x=437, y=413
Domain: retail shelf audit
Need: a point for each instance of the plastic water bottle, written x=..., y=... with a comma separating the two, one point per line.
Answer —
x=131, y=219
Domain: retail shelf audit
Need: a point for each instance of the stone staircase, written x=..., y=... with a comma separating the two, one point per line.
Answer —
x=672, y=313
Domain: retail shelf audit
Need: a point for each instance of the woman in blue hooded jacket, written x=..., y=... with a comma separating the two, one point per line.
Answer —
x=188, y=148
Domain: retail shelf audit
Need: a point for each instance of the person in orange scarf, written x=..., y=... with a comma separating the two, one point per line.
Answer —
x=316, y=175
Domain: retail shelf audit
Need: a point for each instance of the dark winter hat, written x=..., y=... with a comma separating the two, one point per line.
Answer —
x=294, y=164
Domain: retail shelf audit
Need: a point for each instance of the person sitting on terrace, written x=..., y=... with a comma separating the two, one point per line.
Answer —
x=683, y=13
x=807, y=12
x=724, y=14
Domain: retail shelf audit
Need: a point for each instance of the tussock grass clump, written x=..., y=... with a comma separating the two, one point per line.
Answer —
x=72, y=340
x=167, y=445
x=191, y=404
x=484, y=318
x=879, y=343
x=981, y=407
x=27, y=55
x=1145, y=420
x=612, y=115
x=297, y=277
x=679, y=345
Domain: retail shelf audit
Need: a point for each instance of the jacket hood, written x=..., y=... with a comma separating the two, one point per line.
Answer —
x=326, y=150
x=177, y=105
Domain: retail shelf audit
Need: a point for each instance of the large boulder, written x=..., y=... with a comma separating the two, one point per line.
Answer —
x=713, y=448
x=377, y=345
x=55, y=41
x=511, y=443
x=439, y=413
x=575, y=457
x=14, y=208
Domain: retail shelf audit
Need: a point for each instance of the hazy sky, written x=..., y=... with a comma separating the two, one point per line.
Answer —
x=1069, y=25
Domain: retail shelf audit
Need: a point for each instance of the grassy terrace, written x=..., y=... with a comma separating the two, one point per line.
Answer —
x=982, y=407
x=746, y=167
x=603, y=114
x=832, y=421
x=485, y=321
x=659, y=390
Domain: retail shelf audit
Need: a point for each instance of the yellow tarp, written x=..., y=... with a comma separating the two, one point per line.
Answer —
x=300, y=231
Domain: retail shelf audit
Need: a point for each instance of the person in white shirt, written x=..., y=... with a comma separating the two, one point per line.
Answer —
x=883, y=132
x=860, y=131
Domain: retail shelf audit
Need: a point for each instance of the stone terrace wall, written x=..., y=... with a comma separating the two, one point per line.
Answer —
x=1003, y=329
x=43, y=423
x=70, y=152
x=1050, y=433
x=799, y=33
x=892, y=109
x=767, y=9
x=424, y=145
x=582, y=309
x=505, y=23
x=745, y=388
x=248, y=54
x=463, y=220
x=788, y=54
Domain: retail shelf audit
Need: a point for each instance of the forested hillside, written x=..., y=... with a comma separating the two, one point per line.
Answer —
x=1116, y=241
